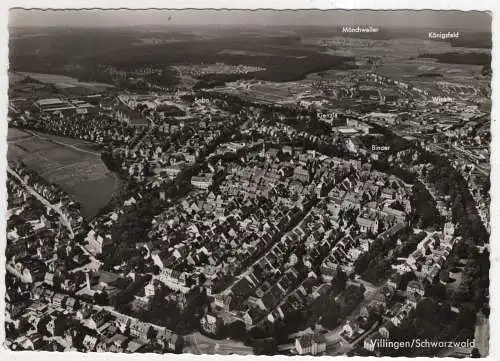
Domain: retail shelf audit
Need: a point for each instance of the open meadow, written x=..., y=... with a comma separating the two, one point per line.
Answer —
x=74, y=165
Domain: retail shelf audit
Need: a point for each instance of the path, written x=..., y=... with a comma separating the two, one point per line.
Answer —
x=44, y=201
x=64, y=144
x=201, y=344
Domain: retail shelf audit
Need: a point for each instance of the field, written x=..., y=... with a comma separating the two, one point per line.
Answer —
x=75, y=166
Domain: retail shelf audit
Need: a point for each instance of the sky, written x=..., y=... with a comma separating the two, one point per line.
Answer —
x=457, y=20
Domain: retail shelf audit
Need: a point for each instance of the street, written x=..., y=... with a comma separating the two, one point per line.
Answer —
x=46, y=203
x=199, y=344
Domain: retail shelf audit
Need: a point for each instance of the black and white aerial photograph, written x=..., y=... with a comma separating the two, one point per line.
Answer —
x=248, y=182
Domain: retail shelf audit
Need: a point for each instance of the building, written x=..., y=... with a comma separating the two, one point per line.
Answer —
x=223, y=301
x=54, y=105
x=139, y=329
x=388, y=118
x=367, y=225
x=386, y=329
x=210, y=323
x=415, y=287
x=172, y=171
x=202, y=181
x=174, y=280
x=95, y=242
x=100, y=318
x=359, y=125
x=171, y=341
x=311, y=344
x=122, y=323
x=449, y=229
x=149, y=290
x=301, y=174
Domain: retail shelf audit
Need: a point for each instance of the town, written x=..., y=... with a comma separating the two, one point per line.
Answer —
x=235, y=215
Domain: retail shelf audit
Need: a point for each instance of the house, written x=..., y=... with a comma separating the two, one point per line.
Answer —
x=287, y=150
x=100, y=318
x=95, y=242
x=171, y=341
x=49, y=279
x=367, y=225
x=350, y=330
x=275, y=315
x=202, y=181
x=449, y=229
x=395, y=280
x=70, y=304
x=401, y=313
x=415, y=287
x=89, y=342
x=271, y=153
x=37, y=292
x=329, y=269
x=190, y=158
x=115, y=343
x=58, y=300
x=397, y=214
x=301, y=174
x=149, y=290
x=122, y=323
x=252, y=315
x=210, y=323
x=133, y=345
x=172, y=171
x=139, y=329
x=174, y=280
x=312, y=344
x=31, y=342
x=386, y=329
x=223, y=301
x=84, y=310
x=51, y=325
x=383, y=298
x=32, y=318
x=387, y=193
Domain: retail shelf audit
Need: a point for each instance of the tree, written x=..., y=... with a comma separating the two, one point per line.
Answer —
x=475, y=353
x=266, y=346
x=350, y=299
x=331, y=318
x=101, y=298
x=42, y=325
x=156, y=269
x=237, y=331
x=151, y=334
x=426, y=309
x=397, y=206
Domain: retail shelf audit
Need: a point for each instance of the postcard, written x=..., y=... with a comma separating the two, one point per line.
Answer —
x=249, y=182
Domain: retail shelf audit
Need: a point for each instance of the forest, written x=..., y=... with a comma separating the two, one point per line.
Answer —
x=471, y=58
x=284, y=58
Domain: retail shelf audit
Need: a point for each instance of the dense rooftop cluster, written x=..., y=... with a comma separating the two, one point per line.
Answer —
x=318, y=215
